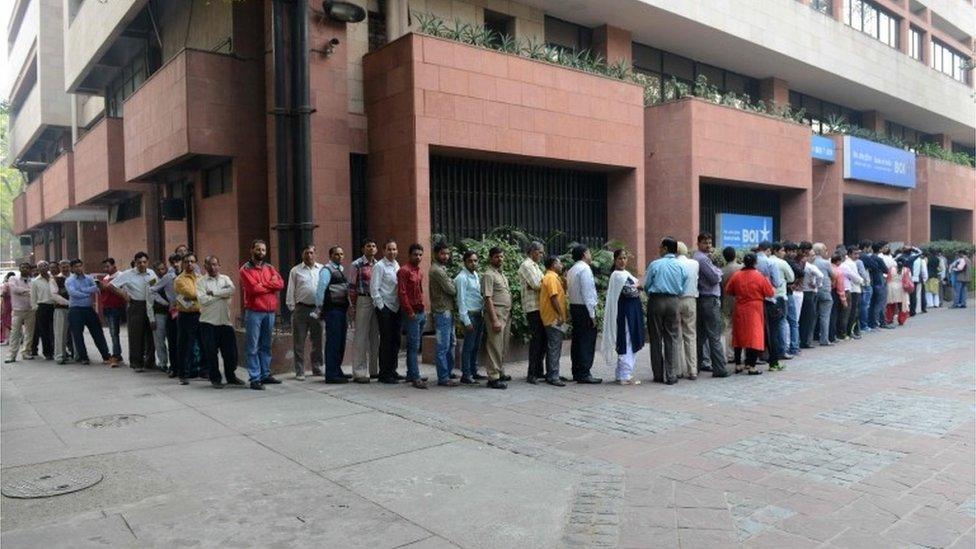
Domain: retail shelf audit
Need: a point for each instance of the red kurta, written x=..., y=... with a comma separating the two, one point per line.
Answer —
x=749, y=287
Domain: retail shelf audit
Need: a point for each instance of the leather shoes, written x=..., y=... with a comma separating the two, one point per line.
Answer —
x=465, y=380
x=217, y=384
x=556, y=382
x=419, y=384
x=172, y=374
x=533, y=380
x=389, y=380
x=270, y=380
x=336, y=380
x=505, y=378
x=363, y=380
x=590, y=380
x=479, y=376
x=257, y=385
x=234, y=381
x=497, y=384
x=347, y=376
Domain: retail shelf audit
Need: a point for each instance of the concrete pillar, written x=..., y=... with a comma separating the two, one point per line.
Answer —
x=626, y=214
x=774, y=90
x=873, y=120
x=837, y=10
x=613, y=43
x=796, y=215
x=942, y=140
x=904, y=40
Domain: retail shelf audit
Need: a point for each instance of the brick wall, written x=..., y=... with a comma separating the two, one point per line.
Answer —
x=99, y=162
x=34, y=211
x=944, y=184
x=59, y=188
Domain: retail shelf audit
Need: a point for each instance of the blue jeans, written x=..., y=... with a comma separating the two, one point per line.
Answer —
x=414, y=328
x=793, y=320
x=867, y=291
x=824, y=306
x=879, y=298
x=472, y=343
x=782, y=328
x=113, y=317
x=257, y=343
x=444, y=359
x=959, y=288
x=335, y=341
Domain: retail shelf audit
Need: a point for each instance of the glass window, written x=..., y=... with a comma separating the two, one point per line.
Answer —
x=566, y=35
x=646, y=57
x=217, y=180
x=915, y=49
x=823, y=6
x=949, y=62
x=681, y=68
x=867, y=17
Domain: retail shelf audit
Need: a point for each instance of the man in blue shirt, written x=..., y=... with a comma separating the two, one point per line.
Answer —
x=81, y=292
x=469, y=306
x=664, y=283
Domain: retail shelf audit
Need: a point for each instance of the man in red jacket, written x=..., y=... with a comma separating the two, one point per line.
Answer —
x=261, y=283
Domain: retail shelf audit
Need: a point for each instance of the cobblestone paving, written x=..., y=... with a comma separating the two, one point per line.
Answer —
x=912, y=413
x=864, y=444
x=743, y=390
x=628, y=420
x=834, y=461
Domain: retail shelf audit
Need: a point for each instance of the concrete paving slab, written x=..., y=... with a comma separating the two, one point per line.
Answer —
x=287, y=409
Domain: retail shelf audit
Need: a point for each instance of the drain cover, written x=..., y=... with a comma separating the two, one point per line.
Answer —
x=52, y=484
x=114, y=420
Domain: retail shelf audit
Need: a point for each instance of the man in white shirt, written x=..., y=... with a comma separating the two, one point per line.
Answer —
x=852, y=292
x=530, y=278
x=383, y=290
x=688, y=315
x=300, y=299
x=44, y=296
x=582, y=311
x=135, y=286
x=214, y=292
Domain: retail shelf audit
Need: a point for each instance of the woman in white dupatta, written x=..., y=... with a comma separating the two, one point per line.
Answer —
x=623, y=321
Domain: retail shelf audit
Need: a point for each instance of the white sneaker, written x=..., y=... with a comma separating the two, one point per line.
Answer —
x=299, y=377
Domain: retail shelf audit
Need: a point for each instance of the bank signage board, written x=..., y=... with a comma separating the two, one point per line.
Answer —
x=876, y=163
x=822, y=148
x=742, y=231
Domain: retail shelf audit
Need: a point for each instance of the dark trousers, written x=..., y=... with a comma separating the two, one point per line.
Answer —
x=808, y=319
x=854, y=321
x=913, y=302
x=189, y=331
x=389, y=323
x=773, y=315
x=335, y=341
x=537, y=344
x=80, y=318
x=142, y=349
x=834, y=312
x=222, y=339
x=44, y=329
x=879, y=297
x=173, y=342
x=710, y=327
x=663, y=323
x=843, y=315
x=583, y=345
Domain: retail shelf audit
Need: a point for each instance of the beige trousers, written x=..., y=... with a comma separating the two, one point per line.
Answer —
x=687, y=313
x=497, y=343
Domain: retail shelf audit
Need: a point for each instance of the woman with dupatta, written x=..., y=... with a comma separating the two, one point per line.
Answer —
x=623, y=320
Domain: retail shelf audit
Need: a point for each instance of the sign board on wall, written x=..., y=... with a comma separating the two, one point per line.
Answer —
x=822, y=148
x=742, y=231
x=876, y=163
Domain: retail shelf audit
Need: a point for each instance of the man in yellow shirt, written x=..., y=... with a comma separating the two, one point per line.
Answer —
x=553, y=310
x=188, y=323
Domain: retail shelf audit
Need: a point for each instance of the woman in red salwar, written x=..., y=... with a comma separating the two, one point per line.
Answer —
x=750, y=288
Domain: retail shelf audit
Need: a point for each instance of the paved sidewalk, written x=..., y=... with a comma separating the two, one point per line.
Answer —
x=866, y=444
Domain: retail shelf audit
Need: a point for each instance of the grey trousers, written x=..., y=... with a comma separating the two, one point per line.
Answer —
x=60, y=332
x=303, y=325
x=710, y=327
x=664, y=326
x=159, y=341
x=366, y=337
x=824, y=305
x=554, y=351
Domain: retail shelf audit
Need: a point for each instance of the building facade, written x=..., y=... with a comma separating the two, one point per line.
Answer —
x=143, y=124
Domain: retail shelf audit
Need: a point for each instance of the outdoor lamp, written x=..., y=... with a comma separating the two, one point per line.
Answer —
x=344, y=12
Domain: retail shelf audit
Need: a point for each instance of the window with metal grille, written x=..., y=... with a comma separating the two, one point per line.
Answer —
x=715, y=199
x=469, y=198
x=567, y=36
x=940, y=227
x=358, y=182
x=218, y=180
x=127, y=209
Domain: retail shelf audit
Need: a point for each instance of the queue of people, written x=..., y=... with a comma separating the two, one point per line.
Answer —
x=768, y=305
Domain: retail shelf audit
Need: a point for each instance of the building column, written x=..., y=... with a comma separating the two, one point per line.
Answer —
x=904, y=38
x=774, y=90
x=92, y=242
x=837, y=10
x=796, y=215
x=613, y=43
x=626, y=214
x=828, y=208
x=943, y=141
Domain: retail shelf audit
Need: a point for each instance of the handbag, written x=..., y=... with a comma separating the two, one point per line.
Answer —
x=906, y=282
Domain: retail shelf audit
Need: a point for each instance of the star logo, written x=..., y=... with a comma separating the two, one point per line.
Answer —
x=764, y=233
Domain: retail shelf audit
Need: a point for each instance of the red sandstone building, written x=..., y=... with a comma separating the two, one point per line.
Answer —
x=142, y=125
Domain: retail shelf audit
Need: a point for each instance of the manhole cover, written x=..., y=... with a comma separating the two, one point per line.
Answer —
x=52, y=484
x=114, y=420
